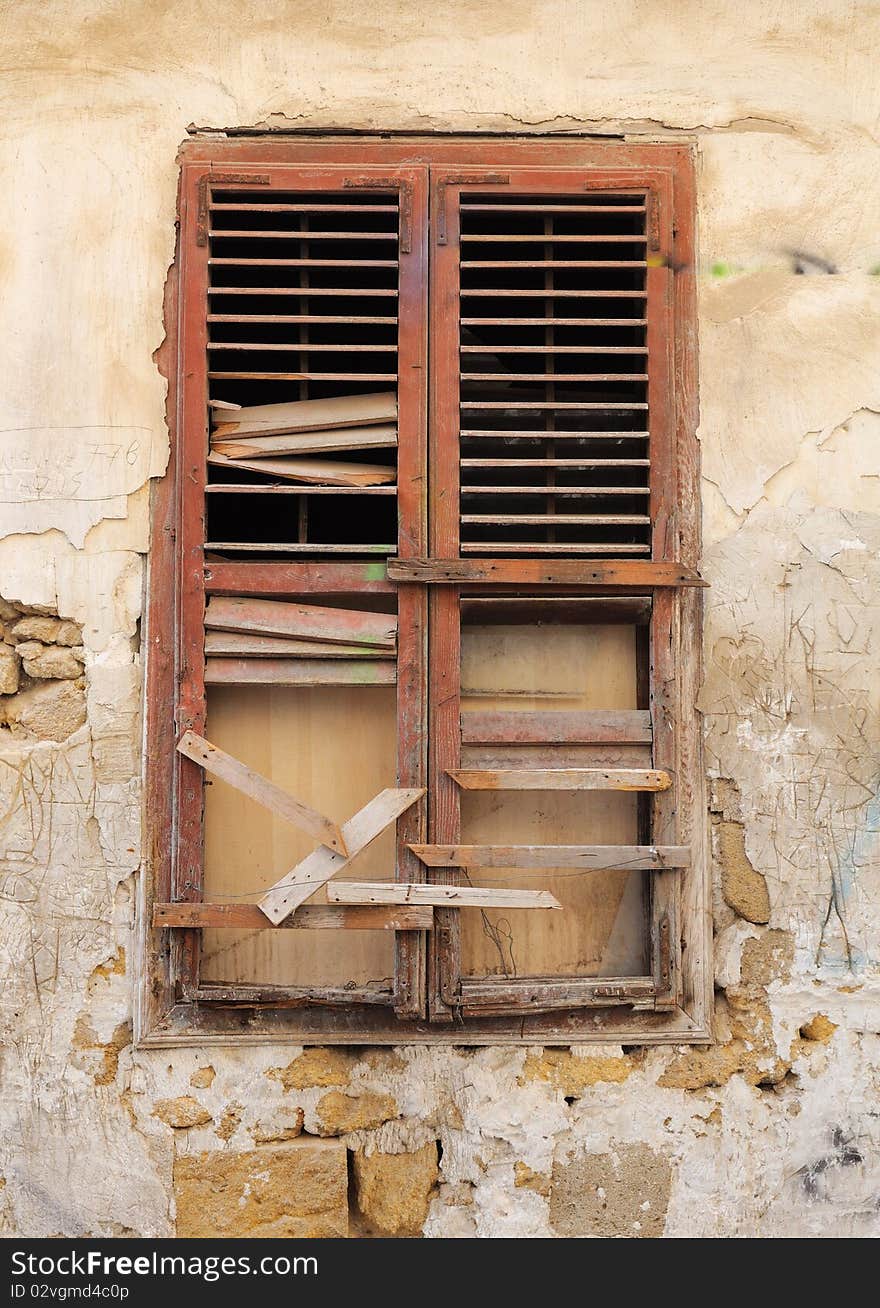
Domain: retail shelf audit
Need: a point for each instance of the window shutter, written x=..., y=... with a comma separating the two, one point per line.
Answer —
x=298, y=284
x=553, y=442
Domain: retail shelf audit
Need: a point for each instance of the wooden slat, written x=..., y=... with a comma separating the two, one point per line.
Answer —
x=299, y=672
x=561, y=779
x=311, y=917
x=259, y=788
x=262, y=617
x=553, y=349
x=612, y=548
x=322, y=864
x=381, y=436
x=513, y=464
x=303, y=489
x=221, y=233
x=538, y=208
x=542, y=376
x=303, y=263
x=289, y=547
x=324, y=472
x=488, y=433
x=292, y=579
x=610, y=858
x=513, y=405
x=581, y=491
x=614, y=726
x=538, y=238
x=553, y=322
x=309, y=415
x=360, y=292
x=308, y=208
x=528, y=264
x=527, y=572
x=555, y=519
x=332, y=319
x=238, y=645
x=389, y=892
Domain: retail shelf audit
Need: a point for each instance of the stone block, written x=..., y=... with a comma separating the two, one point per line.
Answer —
x=394, y=1190
x=295, y=1190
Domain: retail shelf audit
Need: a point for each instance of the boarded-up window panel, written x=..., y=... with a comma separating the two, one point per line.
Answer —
x=601, y=931
x=336, y=746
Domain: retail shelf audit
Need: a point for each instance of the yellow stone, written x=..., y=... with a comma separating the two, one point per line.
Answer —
x=315, y=1067
x=339, y=1113
x=572, y=1075
x=394, y=1190
x=181, y=1114
x=297, y=1190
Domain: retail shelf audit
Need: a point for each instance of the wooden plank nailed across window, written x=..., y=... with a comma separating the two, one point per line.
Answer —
x=623, y=858
x=310, y=917
x=378, y=892
x=265, y=792
x=561, y=779
x=532, y=572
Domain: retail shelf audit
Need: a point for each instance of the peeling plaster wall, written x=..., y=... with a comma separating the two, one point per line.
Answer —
x=771, y=1131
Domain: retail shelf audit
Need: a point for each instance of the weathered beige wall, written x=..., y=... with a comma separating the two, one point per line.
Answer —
x=774, y=1130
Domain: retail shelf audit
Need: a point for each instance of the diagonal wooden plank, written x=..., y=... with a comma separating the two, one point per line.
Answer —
x=608, y=858
x=265, y=792
x=390, y=892
x=319, y=866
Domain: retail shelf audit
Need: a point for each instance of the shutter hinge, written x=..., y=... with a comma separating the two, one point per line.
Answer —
x=664, y=954
x=405, y=188
x=461, y=179
x=221, y=179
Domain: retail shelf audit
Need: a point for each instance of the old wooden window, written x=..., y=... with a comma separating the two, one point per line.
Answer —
x=426, y=552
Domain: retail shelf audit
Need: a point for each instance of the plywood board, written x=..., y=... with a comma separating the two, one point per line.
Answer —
x=336, y=745
x=601, y=931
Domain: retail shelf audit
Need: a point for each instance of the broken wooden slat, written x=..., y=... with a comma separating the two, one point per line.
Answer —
x=318, y=867
x=238, y=645
x=320, y=472
x=525, y=572
x=382, y=436
x=609, y=858
x=612, y=726
x=311, y=415
x=561, y=779
x=259, y=617
x=390, y=892
x=377, y=671
x=265, y=792
x=311, y=917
